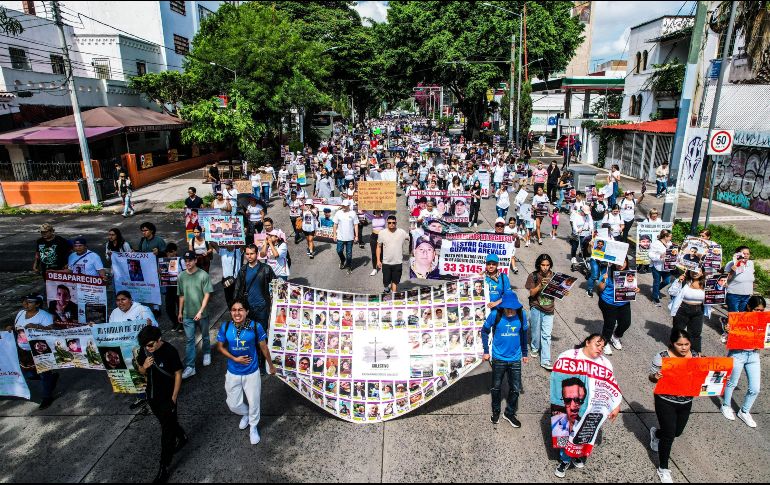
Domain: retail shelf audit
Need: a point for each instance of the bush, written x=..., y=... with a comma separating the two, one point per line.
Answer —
x=730, y=239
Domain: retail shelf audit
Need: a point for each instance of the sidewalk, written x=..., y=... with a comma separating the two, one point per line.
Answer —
x=159, y=195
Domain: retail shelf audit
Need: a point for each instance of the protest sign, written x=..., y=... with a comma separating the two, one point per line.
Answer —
x=692, y=252
x=671, y=257
x=583, y=394
x=712, y=261
x=74, y=299
x=325, y=230
x=748, y=330
x=136, y=273
x=716, y=289
x=243, y=186
x=377, y=195
x=484, y=179
x=389, y=175
x=197, y=217
x=606, y=191
x=609, y=250
x=301, y=176
x=521, y=196
x=168, y=270
x=225, y=230
x=372, y=358
x=465, y=254
x=455, y=208
x=63, y=349
x=541, y=210
x=12, y=381
x=625, y=286
x=118, y=349
x=696, y=377
x=646, y=233
x=591, y=193
x=559, y=286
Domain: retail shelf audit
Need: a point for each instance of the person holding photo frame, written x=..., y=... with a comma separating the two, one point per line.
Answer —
x=616, y=314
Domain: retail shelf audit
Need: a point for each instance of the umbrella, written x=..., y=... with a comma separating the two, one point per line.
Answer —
x=397, y=149
x=434, y=150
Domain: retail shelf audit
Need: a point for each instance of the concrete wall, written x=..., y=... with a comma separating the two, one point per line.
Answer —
x=743, y=179
x=23, y=193
x=122, y=52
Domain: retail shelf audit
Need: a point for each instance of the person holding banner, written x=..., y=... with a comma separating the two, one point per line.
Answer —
x=84, y=261
x=657, y=253
x=748, y=360
x=616, y=314
x=688, y=295
x=673, y=412
x=202, y=249
x=115, y=244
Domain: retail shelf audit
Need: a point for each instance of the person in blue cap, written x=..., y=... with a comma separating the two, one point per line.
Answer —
x=508, y=326
x=497, y=282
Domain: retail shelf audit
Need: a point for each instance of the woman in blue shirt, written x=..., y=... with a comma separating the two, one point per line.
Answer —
x=617, y=315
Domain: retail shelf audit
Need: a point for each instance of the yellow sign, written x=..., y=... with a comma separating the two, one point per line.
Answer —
x=490, y=95
x=146, y=160
x=377, y=195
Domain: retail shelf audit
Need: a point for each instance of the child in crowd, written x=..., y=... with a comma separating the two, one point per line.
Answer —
x=554, y=222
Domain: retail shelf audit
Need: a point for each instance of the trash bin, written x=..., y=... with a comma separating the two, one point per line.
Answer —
x=99, y=187
x=83, y=187
x=584, y=175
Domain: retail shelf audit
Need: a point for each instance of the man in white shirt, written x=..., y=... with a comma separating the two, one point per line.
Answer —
x=430, y=212
x=33, y=317
x=83, y=261
x=230, y=194
x=390, y=254
x=345, y=233
x=499, y=176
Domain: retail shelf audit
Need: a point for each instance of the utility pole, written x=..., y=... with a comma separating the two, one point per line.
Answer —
x=89, y=169
x=510, y=90
x=518, y=88
x=712, y=123
x=688, y=90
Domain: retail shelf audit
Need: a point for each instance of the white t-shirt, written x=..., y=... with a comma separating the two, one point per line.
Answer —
x=88, y=263
x=255, y=213
x=499, y=174
x=256, y=179
x=42, y=318
x=137, y=312
x=231, y=195
x=228, y=256
x=280, y=265
x=539, y=199
x=627, y=209
x=614, y=221
x=346, y=222
x=309, y=221
x=434, y=214
x=503, y=201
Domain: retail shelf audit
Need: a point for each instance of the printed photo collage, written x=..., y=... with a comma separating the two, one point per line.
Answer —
x=312, y=344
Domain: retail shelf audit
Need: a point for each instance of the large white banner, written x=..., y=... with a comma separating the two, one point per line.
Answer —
x=693, y=154
x=64, y=349
x=75, y=299
x=138, y=274
x=371, y=358
x=12, y=381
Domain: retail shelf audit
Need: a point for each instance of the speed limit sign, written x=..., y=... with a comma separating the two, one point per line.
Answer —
x=721, y=142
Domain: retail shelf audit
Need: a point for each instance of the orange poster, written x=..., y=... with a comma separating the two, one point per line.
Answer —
x=696, y=377
x=748, y=330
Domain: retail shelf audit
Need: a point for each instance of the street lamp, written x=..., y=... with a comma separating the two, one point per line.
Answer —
x=235, y=74
x=518, y=95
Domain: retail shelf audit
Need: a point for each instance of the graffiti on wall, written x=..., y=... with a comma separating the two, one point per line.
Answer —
x=743, y=179
x=692, y=161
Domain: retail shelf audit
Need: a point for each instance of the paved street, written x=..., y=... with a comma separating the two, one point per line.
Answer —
x=89, y=434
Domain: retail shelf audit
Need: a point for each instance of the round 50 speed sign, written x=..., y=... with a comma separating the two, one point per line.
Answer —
x=721, y=142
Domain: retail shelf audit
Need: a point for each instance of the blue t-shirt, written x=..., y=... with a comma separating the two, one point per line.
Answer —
x=608, y=295
x=497, y=288
x=509, y=343
x=247, y=344
x=255, y=296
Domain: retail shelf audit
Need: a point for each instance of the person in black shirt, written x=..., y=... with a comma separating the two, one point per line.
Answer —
x=193, y=201
x=51, y=252
x=159, y=361
x=214, y=178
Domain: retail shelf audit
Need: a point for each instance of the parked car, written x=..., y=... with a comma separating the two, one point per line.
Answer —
x=562, y=143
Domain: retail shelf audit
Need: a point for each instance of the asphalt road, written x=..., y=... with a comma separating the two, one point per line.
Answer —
x=89, y=434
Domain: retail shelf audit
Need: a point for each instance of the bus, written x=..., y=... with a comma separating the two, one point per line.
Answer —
x=323, y=123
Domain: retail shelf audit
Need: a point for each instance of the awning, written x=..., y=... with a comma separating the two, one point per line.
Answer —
x=660, y=126
x=131, y=119
x=47, y=135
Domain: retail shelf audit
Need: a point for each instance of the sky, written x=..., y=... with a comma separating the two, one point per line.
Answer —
x=612, y=22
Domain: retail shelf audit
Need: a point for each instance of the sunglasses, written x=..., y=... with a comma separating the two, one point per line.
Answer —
x=568, y=400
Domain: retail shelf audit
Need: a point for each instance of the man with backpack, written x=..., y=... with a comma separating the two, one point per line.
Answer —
x=252, y=285
x=508, y=326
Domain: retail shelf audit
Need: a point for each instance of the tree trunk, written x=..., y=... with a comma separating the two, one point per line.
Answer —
x=474, y=110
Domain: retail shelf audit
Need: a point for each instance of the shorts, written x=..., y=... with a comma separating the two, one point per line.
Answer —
x=391, y=273
x=309, y=233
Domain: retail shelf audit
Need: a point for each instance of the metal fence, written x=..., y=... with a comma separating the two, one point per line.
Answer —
x=40, y=171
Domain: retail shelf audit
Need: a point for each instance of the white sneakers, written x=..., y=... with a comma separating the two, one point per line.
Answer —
x=574, y=261
x=654, y=441
x=607, y=350
x=188, y=372
x=665, y=475
x=746, y=418
x=244, y=422
x=374, y=272
x=616, y=343
x=728, y=412
x=254, y=435
x=206, y=360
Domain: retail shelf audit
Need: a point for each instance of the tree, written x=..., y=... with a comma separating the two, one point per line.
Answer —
x=608, y=106
x=752, y=19
x=430, y=41
x=167, y=88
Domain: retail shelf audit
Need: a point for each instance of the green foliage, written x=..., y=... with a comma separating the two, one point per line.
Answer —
x=667, y=80
x=525, y=109
x=165, y=88
x=177, y=204
x=594, y=127
x=89, y=209
x=9, y=25
x=608, y=105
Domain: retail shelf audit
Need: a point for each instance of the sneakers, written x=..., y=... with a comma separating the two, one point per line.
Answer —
x=515, y=270
x=723, y=338
x=350, y=271
x=657, y=303
x=547, y=366
x=244, y=422
x=475, y=224
x=533, y=352
x=374, y=272
x=574, y=261
x=342, y=265
x=308, y=252
x=654, y=441
x=579, y=462
x=180, y=442
x=607, y=350
x=137, y=404
x=206, y=360
x=162, y=476
x=188, y=372
x=540, y=242
x=746, y=418
x=616, y=343
x=590, y=293
x=728, y=412
x=512, y=419
x=312, y=255
x=665, y=475
x=527, y=244
x=495, y=418
x=561, y=469
x=386, y=290
x=254, y=435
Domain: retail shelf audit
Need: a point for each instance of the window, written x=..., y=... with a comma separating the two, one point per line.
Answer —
x=644, y=61
x=638, y=62
x=101, y=68
x=639, y=103
x=204, y=13
x=57, y=64
x=28, y=7
x=141, y=68
x=181, y=45
x=178, y=6
x=632, y=106
x=19, y=59
x=721, y=47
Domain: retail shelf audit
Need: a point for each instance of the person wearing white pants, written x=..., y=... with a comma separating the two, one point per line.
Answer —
x=238, y=340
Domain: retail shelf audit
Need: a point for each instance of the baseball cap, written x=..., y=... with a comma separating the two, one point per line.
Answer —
x=190, y=255
x=34, y=297
x=79, y=240
x=492, y=258
x=499, y=220
x=424, y=240
x=327, y=210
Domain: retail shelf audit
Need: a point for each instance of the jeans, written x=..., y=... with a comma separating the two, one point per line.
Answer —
x=189, y=331
x=499, y=369
x=690, y=318
x=170, y=431
x=266, y=193
x=256, y=192
x=501, y=212
x=627, y=229
x=617, y=319
x=737, y=303
x=561, y=199
x=172, y=304
x=346, y=258
x=541, y=326
x=613, y=197
x=672, y=419
x=662, y=188
x=747, y=360
x=47, y=380
x=659, y=277
x=594, y=274
x=127, y=205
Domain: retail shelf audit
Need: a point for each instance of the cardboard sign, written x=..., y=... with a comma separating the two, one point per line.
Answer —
x=559, y=286
x=748, y=330
x=609, y=250
x=377, y=195
x=625, y=286
x=243, y=186
x=696, y=377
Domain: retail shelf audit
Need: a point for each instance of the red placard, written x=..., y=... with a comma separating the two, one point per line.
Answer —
x=748, y=330
x=696, y=377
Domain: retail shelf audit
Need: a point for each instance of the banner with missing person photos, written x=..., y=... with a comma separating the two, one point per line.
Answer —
x=118, y=348
x=75, y=299
x=63, y=348
x=372, y=358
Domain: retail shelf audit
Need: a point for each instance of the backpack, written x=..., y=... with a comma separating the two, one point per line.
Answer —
x=227, y=327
